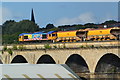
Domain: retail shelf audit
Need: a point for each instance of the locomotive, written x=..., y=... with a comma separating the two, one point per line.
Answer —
x=73, y=36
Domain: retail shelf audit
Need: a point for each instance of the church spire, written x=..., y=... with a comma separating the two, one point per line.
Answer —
x=32, y=16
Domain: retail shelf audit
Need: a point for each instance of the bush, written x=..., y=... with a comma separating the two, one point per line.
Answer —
x=81, y=46
x=15, y=47
x=36, y=47
x=59, y=46
x=2, y=52
x=55, y=46
x=89, y=46
x=64, y=45
x=5, y=48
x=10, y=51
x=47, y=46
x=92, y=46
x=21, y=47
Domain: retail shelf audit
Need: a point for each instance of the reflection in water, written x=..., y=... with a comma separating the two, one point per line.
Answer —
x=109, y=63
x=99, y=76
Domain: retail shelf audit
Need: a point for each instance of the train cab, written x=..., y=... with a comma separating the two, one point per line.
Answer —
x=25, y=37
x=52, y=35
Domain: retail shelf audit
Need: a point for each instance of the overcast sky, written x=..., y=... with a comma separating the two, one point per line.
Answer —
x=60, y=13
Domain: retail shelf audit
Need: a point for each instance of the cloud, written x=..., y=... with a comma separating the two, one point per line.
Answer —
x=81, y=19
x=85, y=18
x=5, y=14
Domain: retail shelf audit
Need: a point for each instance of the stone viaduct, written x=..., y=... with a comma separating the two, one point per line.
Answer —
x=91, y=56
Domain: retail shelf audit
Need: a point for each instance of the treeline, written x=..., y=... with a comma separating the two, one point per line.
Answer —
x=51, y=27
x=11, y=29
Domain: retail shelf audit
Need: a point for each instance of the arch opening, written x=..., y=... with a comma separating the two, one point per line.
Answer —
x=108, y=63
x=45, y=59
x=77, y=64
x=19, y=59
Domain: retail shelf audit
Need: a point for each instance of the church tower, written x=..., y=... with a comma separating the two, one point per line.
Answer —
x=32, y=16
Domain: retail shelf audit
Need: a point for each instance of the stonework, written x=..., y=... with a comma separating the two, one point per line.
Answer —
x=60, y=56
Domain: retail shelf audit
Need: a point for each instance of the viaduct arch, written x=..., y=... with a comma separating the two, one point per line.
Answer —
x=90, y=57
x=77, y=63
x=109, y=62
x=46, y=59
x=19, y=59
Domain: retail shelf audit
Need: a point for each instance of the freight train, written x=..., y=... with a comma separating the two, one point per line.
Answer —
x=73, y=36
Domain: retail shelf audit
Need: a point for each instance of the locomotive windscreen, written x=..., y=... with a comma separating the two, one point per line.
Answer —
x=25, y=37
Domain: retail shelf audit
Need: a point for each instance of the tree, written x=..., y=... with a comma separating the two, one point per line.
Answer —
x=6, y=27
x=12, y=29
x=49, y=26
x=110, y=22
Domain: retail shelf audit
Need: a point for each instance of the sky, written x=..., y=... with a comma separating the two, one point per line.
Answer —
x=60, y=13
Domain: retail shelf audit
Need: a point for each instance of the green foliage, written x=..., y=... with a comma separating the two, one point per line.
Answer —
x=2, y=52
x=14, y=47
x=110, y=22
x=9, y=39
x=21, y=47
x=47, y=46
x=50, y=26
x=82, y=46
x=92, y=46
x=59, y=46
x=10, y=51
x=64, y=46
x=53, y=29
x=55, y=46
x=12, y=29
x=89, y=46
x=5, y=48
x=36, y=47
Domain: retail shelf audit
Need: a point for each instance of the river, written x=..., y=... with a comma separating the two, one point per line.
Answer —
x=99, y=76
